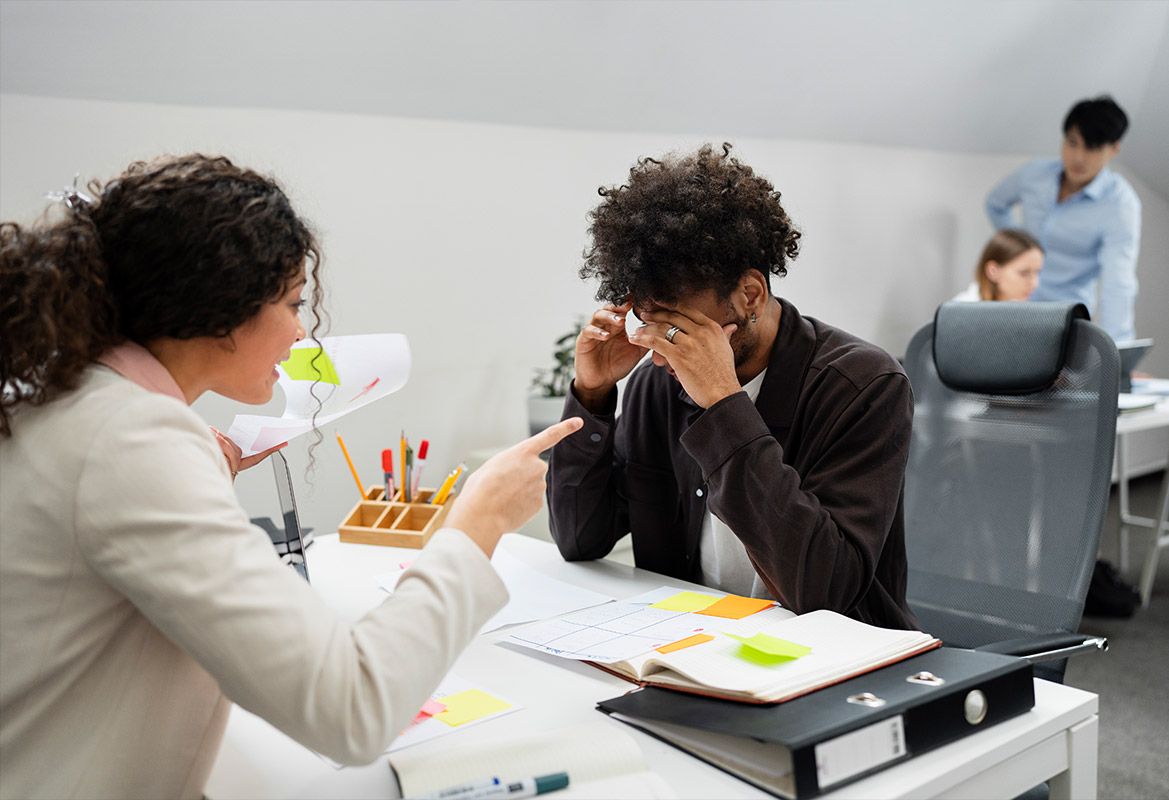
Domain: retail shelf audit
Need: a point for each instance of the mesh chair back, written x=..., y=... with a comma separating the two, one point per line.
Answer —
x=1007, y=486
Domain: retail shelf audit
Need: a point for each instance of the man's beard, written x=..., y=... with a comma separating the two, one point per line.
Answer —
x=744, y=342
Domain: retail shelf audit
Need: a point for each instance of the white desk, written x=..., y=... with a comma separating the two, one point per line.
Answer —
x=1146, y=429
x=1057, y=740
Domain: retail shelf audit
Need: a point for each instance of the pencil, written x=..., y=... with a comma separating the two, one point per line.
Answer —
x=402, y=464
x=441, y=494
x=352, y=468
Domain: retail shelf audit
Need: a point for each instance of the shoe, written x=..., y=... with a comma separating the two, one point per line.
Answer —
x=1109, y=595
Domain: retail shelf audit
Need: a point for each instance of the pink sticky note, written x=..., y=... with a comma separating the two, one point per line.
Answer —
x=433, y=707
x=429, y=709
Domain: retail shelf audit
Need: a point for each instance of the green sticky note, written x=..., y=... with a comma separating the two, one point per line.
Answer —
x=301, y=367
x=686, y=601
x=768, y=650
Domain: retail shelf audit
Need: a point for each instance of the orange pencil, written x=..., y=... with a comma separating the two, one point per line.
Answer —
x=352, y=468
x=402, y=463
x=441, y=495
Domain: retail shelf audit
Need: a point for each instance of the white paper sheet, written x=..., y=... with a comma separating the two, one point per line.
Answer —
x=430, y=728
x=662, y=593
x=619, y=631
x=357, y=371
x=1150, y=386
x=532, y=594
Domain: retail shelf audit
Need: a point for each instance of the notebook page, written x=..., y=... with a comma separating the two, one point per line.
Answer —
x=840, y=646
x=586, y=752
x=752, y=624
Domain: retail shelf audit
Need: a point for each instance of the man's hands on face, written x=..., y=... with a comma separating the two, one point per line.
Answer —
x=700, y=354
x=604, y=355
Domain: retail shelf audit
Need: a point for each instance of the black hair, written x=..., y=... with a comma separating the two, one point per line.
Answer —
x=1100, y=121
x=180, y=247
x=685, y=224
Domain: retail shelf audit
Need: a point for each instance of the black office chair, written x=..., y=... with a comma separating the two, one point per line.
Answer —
x=1009, y=472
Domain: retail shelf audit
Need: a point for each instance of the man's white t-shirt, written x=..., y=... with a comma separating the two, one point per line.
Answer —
x=723, y=560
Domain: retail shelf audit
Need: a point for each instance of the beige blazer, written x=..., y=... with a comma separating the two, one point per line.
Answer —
x=137, y=602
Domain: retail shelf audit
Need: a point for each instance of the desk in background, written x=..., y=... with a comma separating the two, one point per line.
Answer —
x=1057, y=740
x=1142, y=446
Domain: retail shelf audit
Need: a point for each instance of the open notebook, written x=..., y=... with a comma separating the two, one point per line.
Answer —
x=839, y=648
x=765, y=657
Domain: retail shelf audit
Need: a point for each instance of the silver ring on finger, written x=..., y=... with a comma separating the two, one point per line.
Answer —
x=671, y=333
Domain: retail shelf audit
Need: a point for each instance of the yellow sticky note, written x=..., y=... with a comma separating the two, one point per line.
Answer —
x=685, y=601
x=301, y=367
x=682, y=644
x=734, y=607
x=767, y=650
x=469, y=706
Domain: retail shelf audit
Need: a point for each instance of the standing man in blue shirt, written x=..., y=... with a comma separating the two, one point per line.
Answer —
x=1087, y=217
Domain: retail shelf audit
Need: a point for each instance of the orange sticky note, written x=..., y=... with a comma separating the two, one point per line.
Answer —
x=685, y=601
x=734, y=607
x=682, y=644
x=468, y=706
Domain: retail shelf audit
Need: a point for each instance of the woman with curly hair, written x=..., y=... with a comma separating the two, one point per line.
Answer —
x=136, y=601
x=758, y=451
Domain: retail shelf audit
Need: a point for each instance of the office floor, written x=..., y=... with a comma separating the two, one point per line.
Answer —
x=1131, y=678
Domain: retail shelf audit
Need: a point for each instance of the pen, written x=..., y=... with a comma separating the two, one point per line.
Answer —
x=388, y=469
x=418, y=464
x=352, y=468
x=494, y=787
x=406, y=474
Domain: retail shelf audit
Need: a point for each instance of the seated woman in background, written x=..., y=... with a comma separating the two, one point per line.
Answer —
x=1008, y=269
x=136, y=601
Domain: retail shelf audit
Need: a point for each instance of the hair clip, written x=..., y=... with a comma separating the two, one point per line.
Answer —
x=70, y=195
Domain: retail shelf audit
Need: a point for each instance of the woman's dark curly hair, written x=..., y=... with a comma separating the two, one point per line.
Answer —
x=180, y=247
x=685, y=224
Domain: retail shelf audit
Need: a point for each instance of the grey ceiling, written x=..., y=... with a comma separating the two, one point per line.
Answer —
x=989, y=76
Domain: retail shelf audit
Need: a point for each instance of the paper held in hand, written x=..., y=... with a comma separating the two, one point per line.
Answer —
x=324, y=382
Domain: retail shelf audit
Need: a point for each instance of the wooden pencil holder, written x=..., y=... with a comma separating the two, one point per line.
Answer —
x=395, y=523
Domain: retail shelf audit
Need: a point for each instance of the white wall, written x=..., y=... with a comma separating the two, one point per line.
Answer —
x=467, y=238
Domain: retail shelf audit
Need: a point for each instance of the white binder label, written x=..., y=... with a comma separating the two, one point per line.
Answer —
x=861, y=750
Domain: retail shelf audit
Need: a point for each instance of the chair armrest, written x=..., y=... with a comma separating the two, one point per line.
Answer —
x=1047, y=647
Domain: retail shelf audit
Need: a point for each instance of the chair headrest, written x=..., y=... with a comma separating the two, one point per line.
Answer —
x=1002, y=348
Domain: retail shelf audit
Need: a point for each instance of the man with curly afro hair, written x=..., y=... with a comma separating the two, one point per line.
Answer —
x=759, y=451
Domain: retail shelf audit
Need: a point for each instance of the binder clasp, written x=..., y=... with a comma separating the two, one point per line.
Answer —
x=926, y=678
x=866, y=699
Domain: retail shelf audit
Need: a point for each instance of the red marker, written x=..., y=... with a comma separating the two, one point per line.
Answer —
x=419, y=462
x=388, y=469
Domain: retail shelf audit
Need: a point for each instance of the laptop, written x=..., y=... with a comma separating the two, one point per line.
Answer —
x=1130, y=355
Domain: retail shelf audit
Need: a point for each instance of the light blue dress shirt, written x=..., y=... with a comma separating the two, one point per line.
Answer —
x=1090, y=240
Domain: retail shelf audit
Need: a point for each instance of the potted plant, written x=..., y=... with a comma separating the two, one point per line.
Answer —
x=551, y=383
